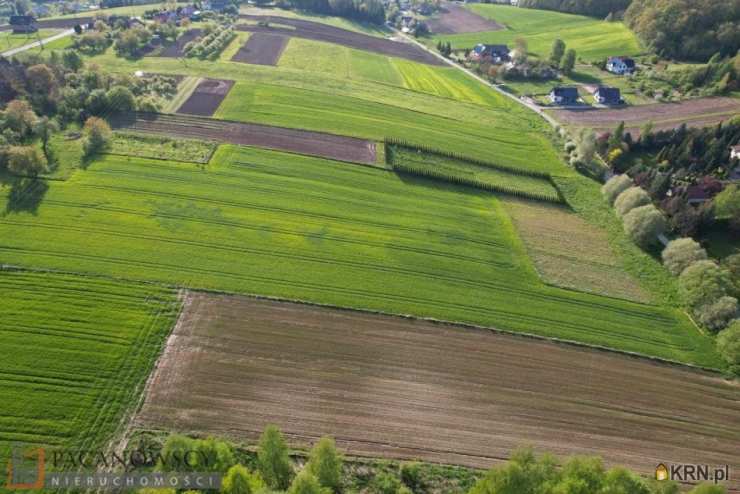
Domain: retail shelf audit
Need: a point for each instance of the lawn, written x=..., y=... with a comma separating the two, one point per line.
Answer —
x=591, y=38
x=295, y=227
x=76, y=352
x=8, y=40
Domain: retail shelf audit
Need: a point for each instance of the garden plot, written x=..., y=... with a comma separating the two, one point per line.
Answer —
x=261, y=49
x=206, y=98
x=175, y=50
x=454, y=19
x=331, y=34
x=399, y=388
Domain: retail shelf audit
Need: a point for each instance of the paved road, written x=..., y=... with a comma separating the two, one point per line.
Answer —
x=36, y=44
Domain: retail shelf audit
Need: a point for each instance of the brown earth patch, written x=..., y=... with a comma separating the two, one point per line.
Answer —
x=695, y=113
x=328, y=146
x=56, y=23
x=392, y=387
x=261, y=49
x=206, y=98
x=454, y=19
x=330, y=34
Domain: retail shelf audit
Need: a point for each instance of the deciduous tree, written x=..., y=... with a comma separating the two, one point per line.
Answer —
x=681, y=253
x=272, y=458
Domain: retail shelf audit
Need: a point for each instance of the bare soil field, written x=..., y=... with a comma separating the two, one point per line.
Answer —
x=695, y=113
x=328, y=146
x=323, y=32
x=393, y=387
x=206, y=98
x=175, y=50
x=454, y=19
x=261, y=49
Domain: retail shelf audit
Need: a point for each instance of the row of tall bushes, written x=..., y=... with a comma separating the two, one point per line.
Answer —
x=211, y=45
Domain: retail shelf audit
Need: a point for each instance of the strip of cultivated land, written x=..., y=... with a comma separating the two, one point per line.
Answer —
x=75, y=354
x=453, y=19
x=261, y=49
x=206, y=98
x=293, y=140
x=262, y=222
x=702, y=112
x=323, y=32
x=391, y=387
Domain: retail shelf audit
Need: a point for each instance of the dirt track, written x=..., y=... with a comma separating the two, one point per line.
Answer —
x=386, y=386
x=206, y=98
x=261, y=49
x=279, y=138
x=454, y=19
x=695, y=113
x=331, y=34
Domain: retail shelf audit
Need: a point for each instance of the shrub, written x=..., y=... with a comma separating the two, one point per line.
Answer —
x=412, y=476
x=386, y=483
x=728, y=345
x=306, y=483
x=644, y=225
x=615, y=186
x=120, y=99
x=630, y=199
x=681, y=253
x=325, y=463
x=25, y=160
x=236, y=481
x=272, y=458
x=703, y=282
x=717, y=315
x=97, y=136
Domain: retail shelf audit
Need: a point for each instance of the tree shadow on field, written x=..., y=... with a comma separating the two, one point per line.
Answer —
x=26, y=193
x=439, y=184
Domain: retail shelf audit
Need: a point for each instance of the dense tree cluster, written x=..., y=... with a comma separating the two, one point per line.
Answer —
x=596, y=8
x=687, y=29
x=360, y=10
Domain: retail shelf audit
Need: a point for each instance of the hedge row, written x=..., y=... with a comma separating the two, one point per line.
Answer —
x=392, y=141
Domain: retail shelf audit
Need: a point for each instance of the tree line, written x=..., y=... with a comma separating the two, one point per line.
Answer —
x=372, y=11
x=595, y=8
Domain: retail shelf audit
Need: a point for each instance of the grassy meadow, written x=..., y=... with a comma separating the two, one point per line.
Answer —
x=76, y=351
x=8, y=40
x=269, y=223
x=591, y=38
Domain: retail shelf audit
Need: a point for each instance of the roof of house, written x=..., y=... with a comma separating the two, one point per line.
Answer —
x=625, y=60
x=21, y=20
x=608, y=93
x=500, y=49
x=697, y=193
x=565, y=92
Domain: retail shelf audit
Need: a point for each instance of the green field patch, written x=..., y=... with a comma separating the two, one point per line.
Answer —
x=315, y=56
x=443, y=81
x=477, y=174
x=76, y=353
x=177, y=149
x=296, y=227
x=591, y=38
x=8, y=40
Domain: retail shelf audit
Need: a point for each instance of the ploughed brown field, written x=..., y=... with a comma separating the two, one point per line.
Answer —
x=261, y=49
x=175, y=50
x=701, y=112
x=320, y=144
x=299, y=28
x=206, y=98
x=393, y=387
x=454, y=19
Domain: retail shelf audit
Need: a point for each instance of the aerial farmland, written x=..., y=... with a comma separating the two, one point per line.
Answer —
x=354, y=249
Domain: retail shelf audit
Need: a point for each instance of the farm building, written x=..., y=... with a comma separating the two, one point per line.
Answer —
x=608, y=95
x=620, y=65
x=23, y=24
x=496, y=53
x=564, y=95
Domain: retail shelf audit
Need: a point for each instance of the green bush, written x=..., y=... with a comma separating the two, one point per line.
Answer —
x=325, y=463
x=237, y=481
x=413, y=476
x=630, y=199
x=306, y=483
x=681, y=253
x=615, y=186
x=717, y=315
x=273, y=459
x=644, y=225
x=728, y=345
x=703, y=283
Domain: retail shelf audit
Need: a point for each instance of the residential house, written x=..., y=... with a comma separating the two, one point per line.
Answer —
x=23, y=24
x=608, y=96
x=620, y=65
x=564, y=95
x=735, y=152
x=492, y=53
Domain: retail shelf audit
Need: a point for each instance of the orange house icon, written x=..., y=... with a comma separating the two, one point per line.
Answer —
x=40, y=455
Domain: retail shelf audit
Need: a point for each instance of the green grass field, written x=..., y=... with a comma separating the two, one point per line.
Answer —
x=8, y=40
x=75, y=352
x=591, y=38
x=303, y=228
